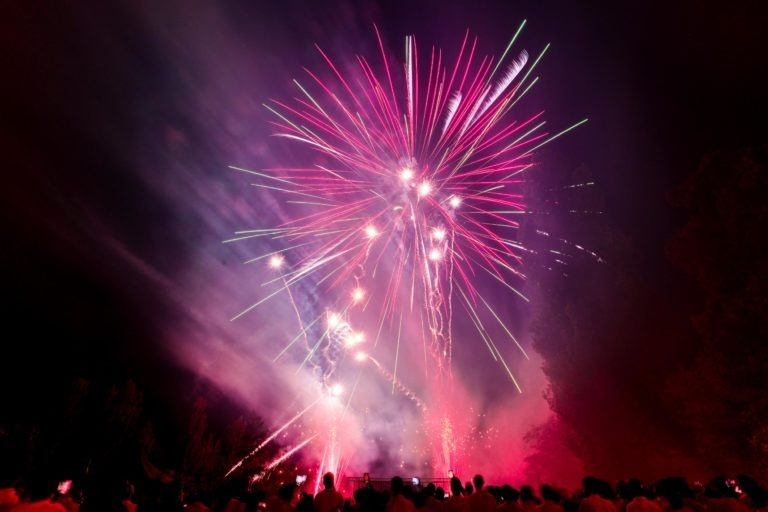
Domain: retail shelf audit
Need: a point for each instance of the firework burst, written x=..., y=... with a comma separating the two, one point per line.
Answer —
x=414, y=196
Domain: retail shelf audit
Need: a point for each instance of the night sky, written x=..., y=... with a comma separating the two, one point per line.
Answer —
x=118, y=124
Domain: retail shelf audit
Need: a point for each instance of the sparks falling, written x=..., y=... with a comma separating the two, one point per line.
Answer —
x=414, y=195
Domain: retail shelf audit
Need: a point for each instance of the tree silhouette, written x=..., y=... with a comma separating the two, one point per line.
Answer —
x=721, y=394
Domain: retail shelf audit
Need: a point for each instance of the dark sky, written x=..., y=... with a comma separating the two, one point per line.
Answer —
x=116, y=118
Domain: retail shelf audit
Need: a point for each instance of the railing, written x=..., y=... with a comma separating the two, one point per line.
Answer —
x=384, y=484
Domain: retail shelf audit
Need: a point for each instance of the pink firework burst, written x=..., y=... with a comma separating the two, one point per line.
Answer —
x=414, y=197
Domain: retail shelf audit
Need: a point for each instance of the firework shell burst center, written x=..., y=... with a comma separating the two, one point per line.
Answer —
x=414, y=198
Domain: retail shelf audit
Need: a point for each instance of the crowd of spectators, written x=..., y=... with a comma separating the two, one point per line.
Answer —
x=673, y=494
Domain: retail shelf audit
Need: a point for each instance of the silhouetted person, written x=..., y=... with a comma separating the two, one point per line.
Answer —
x=481, y=500
x=197, y=503
x=528, y=500
x=457, y=502
x=638, y=498
x=329, y=499
x=398, y=502
x=306, y=503
x=430, y=503
x=66, y=497
x=756, y=495
x=723, y=497
x=282, y=501
x=38, y=490
x=509, y=496
x=678, y=494
x=235, y=504
x=597, y=496
x=550, y=500
x=126, y=498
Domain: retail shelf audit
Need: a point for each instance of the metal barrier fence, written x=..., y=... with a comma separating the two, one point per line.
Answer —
x=383, y=484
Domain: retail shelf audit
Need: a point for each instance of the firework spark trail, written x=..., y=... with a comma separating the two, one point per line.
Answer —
x=271, y=437
x=331, y=452
x=396, y=384
x=276, y=262
x=302, y=333
x=291, y=451
x=272, y=464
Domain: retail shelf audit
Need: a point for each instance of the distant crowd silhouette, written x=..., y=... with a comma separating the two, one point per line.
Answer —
x=37, y=493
